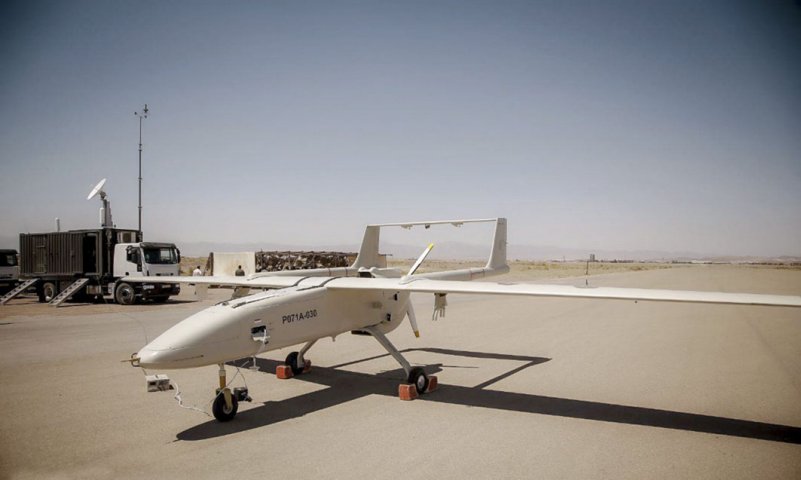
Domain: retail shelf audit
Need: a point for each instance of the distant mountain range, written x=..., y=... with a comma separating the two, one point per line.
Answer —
x=464, y=251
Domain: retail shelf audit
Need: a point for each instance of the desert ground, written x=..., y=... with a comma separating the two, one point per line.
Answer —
x=529, y=388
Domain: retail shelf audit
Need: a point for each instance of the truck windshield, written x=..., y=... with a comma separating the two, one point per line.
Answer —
x=164, y=255
x=8, y=259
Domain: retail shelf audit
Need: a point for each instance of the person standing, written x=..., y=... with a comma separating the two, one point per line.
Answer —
x=240, y=291
x=200, y=290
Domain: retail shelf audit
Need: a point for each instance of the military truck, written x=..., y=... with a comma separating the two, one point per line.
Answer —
x=91, y=264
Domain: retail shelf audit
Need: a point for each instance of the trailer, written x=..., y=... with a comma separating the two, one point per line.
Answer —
x=90, y=264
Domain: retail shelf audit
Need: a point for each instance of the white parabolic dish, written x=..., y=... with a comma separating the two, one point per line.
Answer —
x=97, y=189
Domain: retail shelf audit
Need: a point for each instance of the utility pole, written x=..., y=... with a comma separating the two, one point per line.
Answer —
x=142, y=114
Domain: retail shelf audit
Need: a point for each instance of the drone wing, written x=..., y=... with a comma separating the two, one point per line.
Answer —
x=423, y=285
x=224, y=281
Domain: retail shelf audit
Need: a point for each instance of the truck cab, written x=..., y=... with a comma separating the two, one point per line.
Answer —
x=9, y=270
x=145, y=259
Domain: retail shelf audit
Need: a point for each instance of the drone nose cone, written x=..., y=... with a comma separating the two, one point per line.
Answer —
x=210, y=336
x=150, y=357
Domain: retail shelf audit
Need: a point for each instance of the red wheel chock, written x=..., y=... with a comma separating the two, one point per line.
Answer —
x=432, y=383
x=407, y=391
x=284, y=372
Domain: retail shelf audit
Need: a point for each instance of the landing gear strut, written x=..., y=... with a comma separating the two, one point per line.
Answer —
x=226, y=403
x=415, y=377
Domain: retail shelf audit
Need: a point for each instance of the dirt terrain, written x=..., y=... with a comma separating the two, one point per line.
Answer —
x=547, y=388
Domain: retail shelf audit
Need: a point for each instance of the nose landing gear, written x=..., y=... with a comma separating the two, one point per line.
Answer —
x=226, y=403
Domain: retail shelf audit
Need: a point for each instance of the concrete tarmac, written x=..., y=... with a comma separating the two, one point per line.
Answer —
x=529, y=388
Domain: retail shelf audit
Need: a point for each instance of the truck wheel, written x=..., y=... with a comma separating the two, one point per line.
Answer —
x=124, y=294
x=49, y=291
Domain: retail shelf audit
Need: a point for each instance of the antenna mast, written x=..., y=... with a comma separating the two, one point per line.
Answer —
x=142, y=114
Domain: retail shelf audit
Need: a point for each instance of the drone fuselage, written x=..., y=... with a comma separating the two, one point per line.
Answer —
x=271, y=320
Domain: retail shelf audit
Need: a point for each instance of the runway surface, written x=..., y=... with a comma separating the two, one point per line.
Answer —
x=529, y=388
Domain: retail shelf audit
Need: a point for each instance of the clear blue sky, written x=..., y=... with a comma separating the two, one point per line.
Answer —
x=600, y=125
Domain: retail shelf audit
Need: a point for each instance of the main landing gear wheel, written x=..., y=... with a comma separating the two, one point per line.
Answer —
x=292, y=362
x=419, y=379
x=220, y=409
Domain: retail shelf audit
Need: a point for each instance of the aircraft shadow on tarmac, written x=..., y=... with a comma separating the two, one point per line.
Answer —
x=345, y=386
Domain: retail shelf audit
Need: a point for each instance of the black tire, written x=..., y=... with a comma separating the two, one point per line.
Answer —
x=292, y=361
x=419, y=379
x=220, y=409
x=125, y=294
x=49, y=291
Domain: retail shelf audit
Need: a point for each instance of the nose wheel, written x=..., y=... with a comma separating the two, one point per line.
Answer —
x=226, y=403
x=222, y=412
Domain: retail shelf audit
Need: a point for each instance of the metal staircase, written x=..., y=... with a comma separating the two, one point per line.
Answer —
x=68, y=292
x=19, y=289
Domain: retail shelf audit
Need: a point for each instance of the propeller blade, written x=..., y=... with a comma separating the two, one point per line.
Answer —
x=420, y=260
x=412, y=319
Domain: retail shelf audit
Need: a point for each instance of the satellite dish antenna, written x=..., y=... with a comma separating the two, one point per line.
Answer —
x=105, y=210
x=98, y=189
